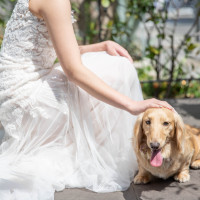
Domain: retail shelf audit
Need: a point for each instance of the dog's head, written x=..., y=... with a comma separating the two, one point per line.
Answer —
x=155, y=128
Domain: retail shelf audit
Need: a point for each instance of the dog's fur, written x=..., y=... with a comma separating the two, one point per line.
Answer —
x=179, y=144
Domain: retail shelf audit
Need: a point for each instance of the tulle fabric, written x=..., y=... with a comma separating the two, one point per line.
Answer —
x=76, y=140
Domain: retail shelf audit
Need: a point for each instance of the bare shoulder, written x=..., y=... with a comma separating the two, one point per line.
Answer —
x=40, y=8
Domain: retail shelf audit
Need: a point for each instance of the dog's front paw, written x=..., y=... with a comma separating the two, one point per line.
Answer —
x=141, y=179
x=182, y=177
x=195, y=164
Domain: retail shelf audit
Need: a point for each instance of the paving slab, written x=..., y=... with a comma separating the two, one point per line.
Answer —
x=83, y=194
x=169, y=189
x=159, y=189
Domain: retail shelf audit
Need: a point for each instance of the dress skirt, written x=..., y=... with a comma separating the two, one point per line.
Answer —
x=66, y=138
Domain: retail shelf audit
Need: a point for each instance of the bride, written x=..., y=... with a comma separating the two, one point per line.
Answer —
x=67, y=124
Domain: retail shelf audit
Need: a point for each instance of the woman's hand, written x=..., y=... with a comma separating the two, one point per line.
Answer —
x=110, y=47
x=115, y=49
x=141, y=106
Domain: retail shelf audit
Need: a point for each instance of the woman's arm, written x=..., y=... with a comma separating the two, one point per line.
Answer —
x=57, y=15
x=101, y=46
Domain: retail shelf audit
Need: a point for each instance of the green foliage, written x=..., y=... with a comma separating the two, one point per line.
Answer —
x=105, y=3
x=1, y=39
x=144, y=73
x=180, y=89
x=5, y=4
x=170, y=68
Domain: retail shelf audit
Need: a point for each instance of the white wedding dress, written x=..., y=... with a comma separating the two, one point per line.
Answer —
x=56, y=135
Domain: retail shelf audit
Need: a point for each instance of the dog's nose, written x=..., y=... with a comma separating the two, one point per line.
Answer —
x=154, y=145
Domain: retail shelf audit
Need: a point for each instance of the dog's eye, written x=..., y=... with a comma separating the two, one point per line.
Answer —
x=148, y=122
x=166, y=123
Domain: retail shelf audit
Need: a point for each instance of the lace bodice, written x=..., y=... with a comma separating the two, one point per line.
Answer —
x=27, y=36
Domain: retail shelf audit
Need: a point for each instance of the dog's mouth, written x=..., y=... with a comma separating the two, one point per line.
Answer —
x=156, y=158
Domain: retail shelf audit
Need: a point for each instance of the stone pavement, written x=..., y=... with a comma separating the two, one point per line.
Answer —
x=160, y=189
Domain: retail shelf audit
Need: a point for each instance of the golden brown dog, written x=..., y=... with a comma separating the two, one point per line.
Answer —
x=164, y=146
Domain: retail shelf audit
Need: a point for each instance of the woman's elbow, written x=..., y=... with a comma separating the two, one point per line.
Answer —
x=69, y=74
x=72, y=73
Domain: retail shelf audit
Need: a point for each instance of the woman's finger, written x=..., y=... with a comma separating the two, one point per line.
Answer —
x=113, y=53
x=165, y=104
x=154, y=105
x=122, y=52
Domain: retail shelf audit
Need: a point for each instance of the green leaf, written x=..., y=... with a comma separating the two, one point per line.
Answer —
x=162, y=35
x=148, y=19
x=92, y=25
x=110, y=24
x=105, y=3
x=188, y=39
x=191, y=47
x=150, y=55
x=154, y=50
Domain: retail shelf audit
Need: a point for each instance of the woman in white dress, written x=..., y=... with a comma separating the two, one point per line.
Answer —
x=67, y=124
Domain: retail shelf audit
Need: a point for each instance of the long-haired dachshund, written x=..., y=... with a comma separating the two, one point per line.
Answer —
x=165, y=146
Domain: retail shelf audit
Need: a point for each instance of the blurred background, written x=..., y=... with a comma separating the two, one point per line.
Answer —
x=162, y=36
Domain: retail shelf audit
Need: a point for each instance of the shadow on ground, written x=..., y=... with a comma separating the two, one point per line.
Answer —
x=169, y=189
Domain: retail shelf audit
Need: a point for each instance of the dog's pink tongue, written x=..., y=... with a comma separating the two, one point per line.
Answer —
x=156, y=158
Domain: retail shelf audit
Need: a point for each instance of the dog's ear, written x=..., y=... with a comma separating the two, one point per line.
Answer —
x=179, y=132
x=138, y=132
